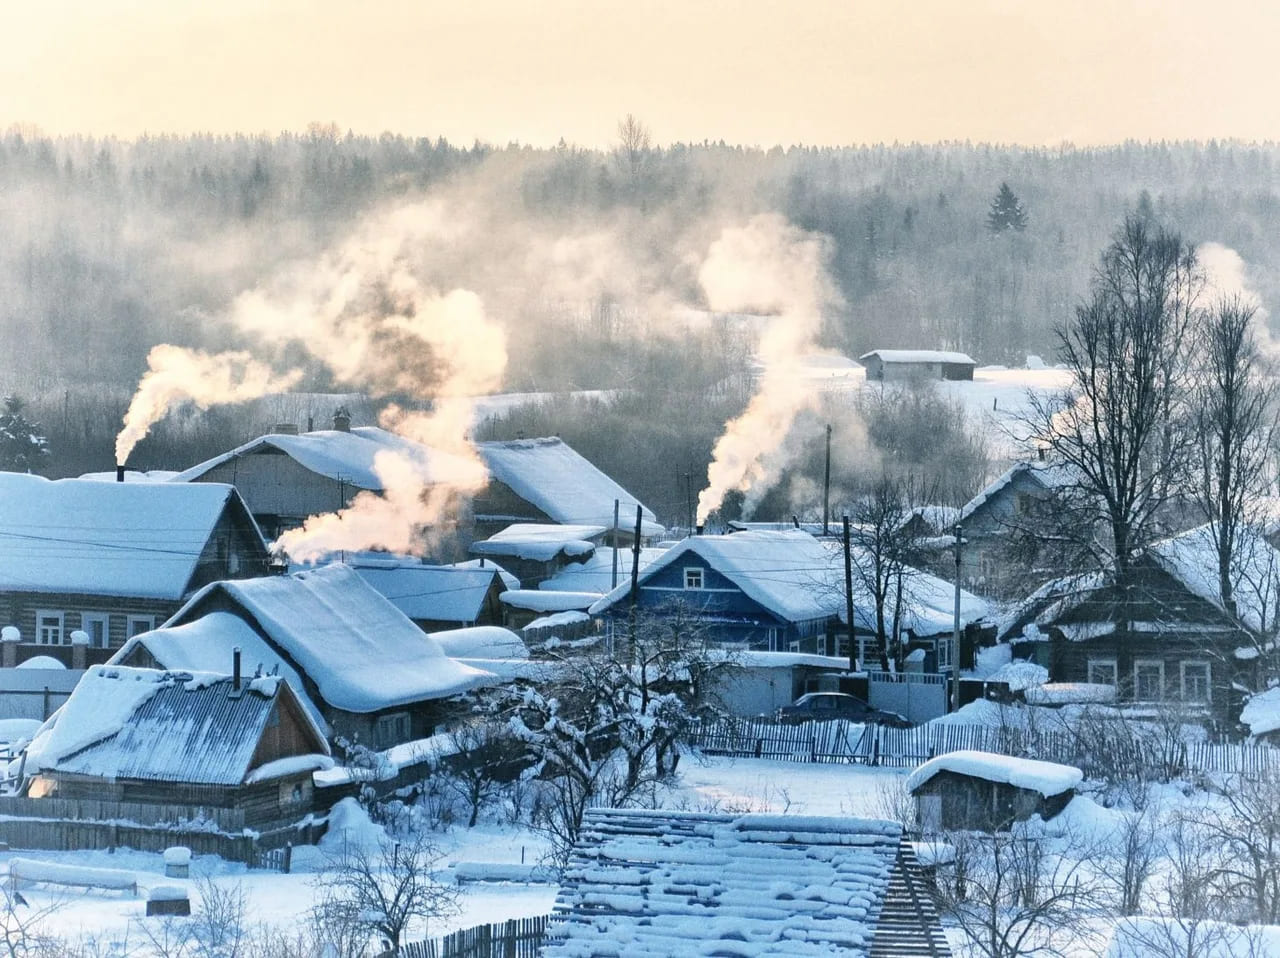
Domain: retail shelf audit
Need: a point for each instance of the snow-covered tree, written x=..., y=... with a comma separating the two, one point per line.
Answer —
x=23, y=447
x=1006, y=212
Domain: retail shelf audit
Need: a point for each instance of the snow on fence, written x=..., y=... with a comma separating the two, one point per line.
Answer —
x=842, y=741
x=517, y=938
x=53, y=873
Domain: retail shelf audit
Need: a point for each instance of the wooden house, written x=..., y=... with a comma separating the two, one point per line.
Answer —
x=984, y=791
x=180, y=739
x=286, y=477
x=361, y=668
x=643, y=882
x=436, y=597
x=111, y=559
x=888, y=365
x=1164, y=636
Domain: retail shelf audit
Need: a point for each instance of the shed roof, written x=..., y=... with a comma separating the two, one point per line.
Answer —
x=1047, y=778
x=540, y=541
x=362, y=653
x=656, y=883
x=441, y=593
x=138, y=539
x=161, y=726
x=918, y=356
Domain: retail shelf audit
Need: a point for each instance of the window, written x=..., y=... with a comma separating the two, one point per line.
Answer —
x=1148, y=680
x=944, y=653
x=49, y=629
x=98, y=627
x=693, y=578
x=822, y=645
x=1102, y=672
x=137, y=624
x=1195, y=682
x=391, y=729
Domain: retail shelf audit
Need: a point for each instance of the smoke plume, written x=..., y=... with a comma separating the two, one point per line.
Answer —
x=176, y=375
x=767, y=266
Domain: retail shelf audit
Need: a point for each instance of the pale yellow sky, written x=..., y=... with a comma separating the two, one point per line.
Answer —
x=752, y=71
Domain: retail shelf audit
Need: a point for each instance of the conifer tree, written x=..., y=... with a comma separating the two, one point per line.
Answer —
x=1006, y=212
x=23, y=447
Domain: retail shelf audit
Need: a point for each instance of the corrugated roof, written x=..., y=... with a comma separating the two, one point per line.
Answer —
x=197, y=732
x=138, y=539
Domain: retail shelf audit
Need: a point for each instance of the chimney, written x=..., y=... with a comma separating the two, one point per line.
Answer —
x=698, y=529
x=235, y=669
x=119, y=473
x=342, y=419
x=311, y=424
x=795, y=521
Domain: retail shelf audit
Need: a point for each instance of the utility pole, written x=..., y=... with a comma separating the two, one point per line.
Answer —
x=635, y=574
x=848, y=597
x=826, y=488
x=614, y=543
x=688, y=498
x=955, y=632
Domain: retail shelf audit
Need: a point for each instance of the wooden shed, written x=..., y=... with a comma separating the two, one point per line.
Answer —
x=899, y=364
x=985, y=791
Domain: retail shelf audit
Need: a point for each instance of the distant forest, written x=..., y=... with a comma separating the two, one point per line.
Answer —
x=108, y=247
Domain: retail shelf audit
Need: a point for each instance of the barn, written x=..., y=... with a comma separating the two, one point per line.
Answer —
x=888, y=365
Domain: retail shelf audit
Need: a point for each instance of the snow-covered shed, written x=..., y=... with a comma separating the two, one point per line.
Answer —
x=657, y=883
x=372, y=674
x=595, y=573
x=898, y=364
x=182, y=739
x=1261, y=715
x=112, y=559
x=536, y=551
x=986, y=791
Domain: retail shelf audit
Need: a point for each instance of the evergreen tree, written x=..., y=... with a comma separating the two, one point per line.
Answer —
x=1006, y=212
x=23, y=447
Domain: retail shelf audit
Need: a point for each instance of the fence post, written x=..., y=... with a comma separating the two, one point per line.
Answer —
x=288, y=857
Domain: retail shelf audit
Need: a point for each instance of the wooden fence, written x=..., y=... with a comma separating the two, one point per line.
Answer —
x=846, y=742
x=517, y=938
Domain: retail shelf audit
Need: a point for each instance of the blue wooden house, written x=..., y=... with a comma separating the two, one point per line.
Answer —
x=774, y=591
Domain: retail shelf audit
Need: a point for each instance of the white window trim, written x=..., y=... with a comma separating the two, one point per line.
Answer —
x=42, y=614
x=1208, y=680
x=149, y=621
x=1111, y=663
x=692, y=573
x=1141, y=663
x=86, y=618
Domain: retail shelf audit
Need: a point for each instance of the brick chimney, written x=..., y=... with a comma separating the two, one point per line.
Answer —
x=342, y=419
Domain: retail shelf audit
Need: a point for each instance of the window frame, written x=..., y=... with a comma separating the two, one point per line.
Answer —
x=87, y=618
x=64, y=637
x=1138, y=665
x=1110, y=664
x=390, y=723
x=692, y=573
x=131, y=619
x=1208, y=680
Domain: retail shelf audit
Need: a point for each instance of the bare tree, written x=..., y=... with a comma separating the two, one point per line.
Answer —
x=381, y=891
x=634, y=151
x=1122, y=428
x=483, y=749
x=1235, y=420
x=1246, y=826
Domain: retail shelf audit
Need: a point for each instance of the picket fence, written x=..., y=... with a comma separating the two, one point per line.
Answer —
x=517, y=938
x=847, y=742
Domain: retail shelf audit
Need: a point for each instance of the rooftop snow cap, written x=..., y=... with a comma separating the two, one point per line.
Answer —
x=342, y=419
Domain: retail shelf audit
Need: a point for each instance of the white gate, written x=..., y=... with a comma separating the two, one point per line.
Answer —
x=919, y=696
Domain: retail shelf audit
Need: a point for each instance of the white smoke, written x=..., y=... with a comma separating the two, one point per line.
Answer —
x=767, y=266
x=1225, y=276
x=176, y=375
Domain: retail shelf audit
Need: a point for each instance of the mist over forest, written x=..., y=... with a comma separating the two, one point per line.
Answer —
x=583, y=257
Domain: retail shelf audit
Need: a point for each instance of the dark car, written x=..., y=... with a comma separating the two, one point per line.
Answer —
x=818, y=706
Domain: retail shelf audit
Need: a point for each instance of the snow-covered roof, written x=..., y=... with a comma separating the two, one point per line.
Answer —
x=647, y=883
x=206, y=644
x=551, y=475
x=1262, y=712
x=540, y=541
x=536, y=600
x=138, y=539
x=1192, y=559
x=938, y=518
x=1020, y=676
x=433, y=592
x=345, y=456
x=1071, y=693
x=362, y=652
x=481, y=642
x=798, y=577
x=508, y=580
x=595, y=574
x=1047, y=778
x=917, y=356
x=146, y=724
x=790, y=573
x=1048, y=476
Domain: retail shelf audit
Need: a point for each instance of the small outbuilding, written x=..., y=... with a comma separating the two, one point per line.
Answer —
x=898, y=364
x=985, y=791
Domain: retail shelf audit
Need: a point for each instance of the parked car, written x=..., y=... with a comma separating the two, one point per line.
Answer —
x=818, y=706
